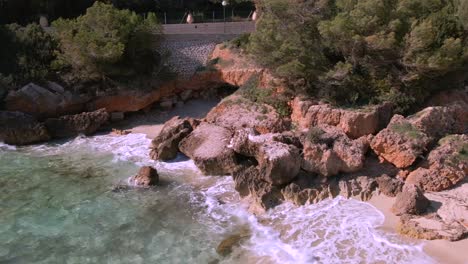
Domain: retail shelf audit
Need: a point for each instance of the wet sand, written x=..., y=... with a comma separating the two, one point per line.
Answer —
x=442, y=251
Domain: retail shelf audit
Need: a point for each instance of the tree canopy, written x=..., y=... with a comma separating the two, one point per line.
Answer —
x=362, y=51
x=107, y=42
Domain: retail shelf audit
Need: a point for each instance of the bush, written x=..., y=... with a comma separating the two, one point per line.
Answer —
x=358, y=52
x=107, y=42
x=266, y=95
x=27, y=53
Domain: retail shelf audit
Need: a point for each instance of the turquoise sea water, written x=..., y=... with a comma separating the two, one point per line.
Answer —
x=59, y=205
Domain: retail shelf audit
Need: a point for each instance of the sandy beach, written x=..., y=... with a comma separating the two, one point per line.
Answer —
x=442, y=251
x=151, y=123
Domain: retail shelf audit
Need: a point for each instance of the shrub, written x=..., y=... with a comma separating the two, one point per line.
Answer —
x=265, y=95
x=26, y=52
x=107, y=42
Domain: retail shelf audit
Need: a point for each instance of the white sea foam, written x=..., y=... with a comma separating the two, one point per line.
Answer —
x=4, y=146
x=333, y=231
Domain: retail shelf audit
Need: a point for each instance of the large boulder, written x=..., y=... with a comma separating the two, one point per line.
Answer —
x=207, y=146
x=20, y=129
x=354, y=122
x=147, y=176
x=249, y=181
x=438, y=121
x=236, y=112
x=165, y=146
x=446, y=165
x=400, y=143
x=329, y=151
x=278, y=162
x=410, y=201
x=50, y=100
x=406, y=139
x=71, y=125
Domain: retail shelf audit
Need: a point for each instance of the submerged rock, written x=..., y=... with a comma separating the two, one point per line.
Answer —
x=72, y=125
x=208, y=147
x=227, y=245
x=410, y=201
x=166, y=145
x=20, y=129
x=147, y=176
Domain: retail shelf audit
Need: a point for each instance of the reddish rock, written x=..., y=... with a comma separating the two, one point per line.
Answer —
x=446, y=166
x=248, y=181
x=354, y=122
x=236, y=112
x=278, y=162
x=72, y=125
x=21, y=129
x=147, y=176
x=438, y=121
x=400, y=143
x=208, y=147
x=329, y=151
x=410, y=201
x=166, y=145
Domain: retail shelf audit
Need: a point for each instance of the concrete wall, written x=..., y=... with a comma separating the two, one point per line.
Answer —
x=190, y=45
x=235, y=28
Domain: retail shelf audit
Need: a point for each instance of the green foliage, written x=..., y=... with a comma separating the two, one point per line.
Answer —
x=406, y=129
x=239, y=42
x=26, y=52
x=265, y=95
x=354, y=52
x=107, y=42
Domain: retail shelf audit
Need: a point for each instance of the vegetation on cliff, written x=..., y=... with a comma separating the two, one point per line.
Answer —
x=357, y=52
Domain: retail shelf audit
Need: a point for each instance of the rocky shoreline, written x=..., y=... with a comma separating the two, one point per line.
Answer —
x=408, y=159
x=317, y=152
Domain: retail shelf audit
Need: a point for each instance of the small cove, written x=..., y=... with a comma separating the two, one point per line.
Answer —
x=58, y=207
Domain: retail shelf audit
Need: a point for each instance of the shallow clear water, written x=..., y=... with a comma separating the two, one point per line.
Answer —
x=57, y=206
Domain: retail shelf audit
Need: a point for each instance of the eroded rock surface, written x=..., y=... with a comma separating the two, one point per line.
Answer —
x=400, y=143
x=207, y=146
x=236, y=112
x=278, y=162
x=446, y=165
x=49, y=101
x=354, y=122
x=410, y=201
x=166, y=145
x=20, y=129
x=147, y=176
x=71, y=125
x=329, y=151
